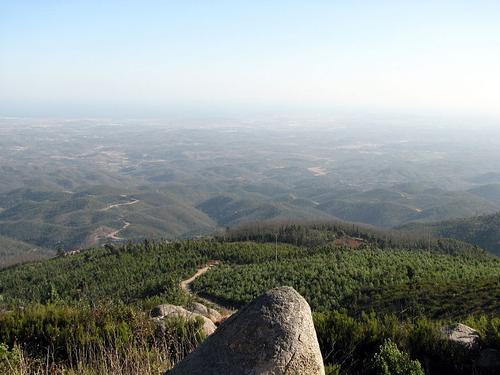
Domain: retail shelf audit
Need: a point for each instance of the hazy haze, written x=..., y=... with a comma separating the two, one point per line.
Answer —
x=143, y=58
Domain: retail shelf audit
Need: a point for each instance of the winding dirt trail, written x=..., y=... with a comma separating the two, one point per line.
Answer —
x=186, y=286
x=119, y=205
x=114, y=235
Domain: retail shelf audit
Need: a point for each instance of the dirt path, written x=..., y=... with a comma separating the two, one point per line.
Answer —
x=186, y=286
x=114, y=235
x=120, y=204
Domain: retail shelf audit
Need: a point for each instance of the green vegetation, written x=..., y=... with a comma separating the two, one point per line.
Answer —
x=364, y=286
x=401, y=281
x=88, y=217
x=352, y=342
x=103, y=340
x=389, y=360
x=483, y=231
x=9, y=359
x=317, y=233
x=13, y=251
x=71, y=184
x=490, y=192
x=131, y=273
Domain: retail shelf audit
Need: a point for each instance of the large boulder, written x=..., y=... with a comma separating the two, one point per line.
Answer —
x=272, y=335
x=171, y=311
x=462, y=335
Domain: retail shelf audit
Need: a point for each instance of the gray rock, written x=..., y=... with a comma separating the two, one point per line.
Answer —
x=489, y=361
x=272, y=335
x=164, y=310
x=462, y=335
x=214, y=315
x=208, y=312
x=198, y=308
x=171, y=311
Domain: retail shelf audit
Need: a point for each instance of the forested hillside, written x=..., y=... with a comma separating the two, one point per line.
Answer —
x=483, y=231
x=14, y=251
x=315, y=233
x=363, y=289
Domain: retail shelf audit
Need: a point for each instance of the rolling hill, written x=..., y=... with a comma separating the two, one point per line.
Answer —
x=483, y=231
x=490, y=192
x=13, y=251
x=92, y=216
x=230, y=210
x=79, y=184
x=391, y=207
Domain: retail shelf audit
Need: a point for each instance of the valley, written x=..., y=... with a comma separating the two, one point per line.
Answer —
x=388, y=234
x=88, y=182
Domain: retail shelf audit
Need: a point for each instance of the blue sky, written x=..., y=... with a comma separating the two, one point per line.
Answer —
x=143, y=58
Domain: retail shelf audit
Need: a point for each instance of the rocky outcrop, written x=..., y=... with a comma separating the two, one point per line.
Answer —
x=462, y=335
x=171, y=311
x=272, y=335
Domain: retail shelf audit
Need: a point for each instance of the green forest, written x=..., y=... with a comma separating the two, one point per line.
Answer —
x=85, y=312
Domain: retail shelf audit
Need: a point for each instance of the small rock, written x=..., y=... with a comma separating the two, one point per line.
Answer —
x=198, y=308
x=172, y=311
x=462, y=335
x=164, y=310
x=208, y=312
x=214, y=315
x=272, y=335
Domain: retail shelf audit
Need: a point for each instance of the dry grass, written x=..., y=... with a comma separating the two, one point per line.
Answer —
x=133, y=362
x=139, y=357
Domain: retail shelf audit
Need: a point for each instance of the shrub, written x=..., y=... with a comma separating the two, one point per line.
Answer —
x=332, y=370
x=9, y=359
x=391, y=361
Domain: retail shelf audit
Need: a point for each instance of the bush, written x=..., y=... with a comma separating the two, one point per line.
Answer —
x=332, y=370
x=9, y=359
x=391, y=361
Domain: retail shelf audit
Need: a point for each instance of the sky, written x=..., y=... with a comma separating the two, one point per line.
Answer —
x=146, y=58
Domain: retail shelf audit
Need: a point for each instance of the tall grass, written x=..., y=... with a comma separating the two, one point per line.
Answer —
x=134, y=360
x=94, y=343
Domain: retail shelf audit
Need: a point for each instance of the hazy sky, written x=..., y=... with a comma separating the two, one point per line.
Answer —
x=146, y=57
